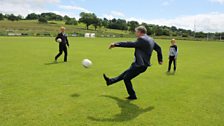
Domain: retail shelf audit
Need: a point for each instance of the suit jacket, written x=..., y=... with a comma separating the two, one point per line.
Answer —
x=63, y=38
x=144, y=47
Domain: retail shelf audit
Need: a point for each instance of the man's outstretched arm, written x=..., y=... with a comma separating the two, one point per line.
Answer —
x=158, y=49
x=136, y=44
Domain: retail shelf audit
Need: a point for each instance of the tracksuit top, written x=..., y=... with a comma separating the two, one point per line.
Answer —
x=173, y=51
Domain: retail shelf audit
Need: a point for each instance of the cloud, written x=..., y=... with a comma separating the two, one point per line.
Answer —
x=218, y=1
x=117, y=13
x=63, y=13
x=68, y=7
x=167, y=2
x=114, y=14
x=108, y=16
x=25, y=7
x=36, y=2
x=41, y=1
x=209, y=22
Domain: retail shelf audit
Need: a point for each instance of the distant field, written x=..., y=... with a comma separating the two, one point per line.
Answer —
x=35, y=92
x=32, y=27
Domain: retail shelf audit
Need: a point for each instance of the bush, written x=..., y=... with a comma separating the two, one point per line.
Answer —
x=3, y=33
x=1, y=16
x=71, y=21
x=43, y=34
x=12, y=17
x=52, y=23
x=42, y=20
x=185, y=35
x=24, y=34
x=32, y=16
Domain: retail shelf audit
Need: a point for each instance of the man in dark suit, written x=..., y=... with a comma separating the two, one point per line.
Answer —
x=144, y=47
x=62, y=44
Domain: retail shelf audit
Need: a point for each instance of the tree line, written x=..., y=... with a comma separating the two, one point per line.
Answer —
x=90, y=19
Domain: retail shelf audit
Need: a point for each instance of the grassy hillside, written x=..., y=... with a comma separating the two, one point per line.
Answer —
x=32, y=27
x=36, y=92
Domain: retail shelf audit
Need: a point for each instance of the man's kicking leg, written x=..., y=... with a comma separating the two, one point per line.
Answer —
x=127, y=76
x=111, y=81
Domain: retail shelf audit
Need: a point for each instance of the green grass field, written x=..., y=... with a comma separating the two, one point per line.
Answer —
x=35, y=92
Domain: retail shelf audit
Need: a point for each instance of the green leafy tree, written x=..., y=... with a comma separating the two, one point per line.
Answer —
x=166, y=32
x=119, y=24
x=200, y=35
x=1, y=16
x=12, y=17
x=105, y=22
x=88, y=19
x=158, y=31
x=42, y=20
x=132, y=25
x=97, y=23
x=20, y=17
x=66, y=17
x=71, y=21
x=52, y=16
x=184, y=35
x=174, y=29
x=32, y=16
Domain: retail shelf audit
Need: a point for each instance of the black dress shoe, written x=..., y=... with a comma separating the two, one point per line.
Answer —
x=107, y=79
x=131, y=98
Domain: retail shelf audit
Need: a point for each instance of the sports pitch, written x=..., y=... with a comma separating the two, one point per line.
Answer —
x=36, y=92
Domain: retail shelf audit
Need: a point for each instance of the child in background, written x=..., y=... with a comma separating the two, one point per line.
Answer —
x=173, y=55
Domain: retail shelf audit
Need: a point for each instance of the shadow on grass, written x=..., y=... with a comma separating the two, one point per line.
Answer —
x=170, y=73
x=129, y=111
x=54, y=63
x=75, y=95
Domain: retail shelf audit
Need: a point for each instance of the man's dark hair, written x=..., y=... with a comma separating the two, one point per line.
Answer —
x=141, y=29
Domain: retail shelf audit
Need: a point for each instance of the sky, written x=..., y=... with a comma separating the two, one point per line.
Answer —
x=199, y=15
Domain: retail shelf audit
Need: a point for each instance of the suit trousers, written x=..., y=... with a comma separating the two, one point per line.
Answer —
x=127, y=76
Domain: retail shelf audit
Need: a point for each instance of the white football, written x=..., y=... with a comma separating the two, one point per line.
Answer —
x=59, y=40
x=87, y=63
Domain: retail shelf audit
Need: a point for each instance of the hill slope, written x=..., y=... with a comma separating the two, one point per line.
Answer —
x=33, y=28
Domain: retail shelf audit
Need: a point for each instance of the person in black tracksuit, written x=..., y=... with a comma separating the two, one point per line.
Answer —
x=144, y=47
x=62, y=45
x=173, y=55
